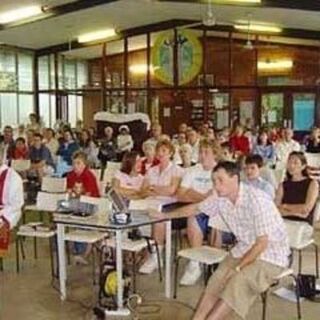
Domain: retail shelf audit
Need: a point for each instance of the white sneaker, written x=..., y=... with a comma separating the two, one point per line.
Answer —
x=150, y=265
x=80, y=260
x=191, y=274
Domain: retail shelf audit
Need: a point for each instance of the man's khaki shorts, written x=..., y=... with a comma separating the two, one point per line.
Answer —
x=243, y=287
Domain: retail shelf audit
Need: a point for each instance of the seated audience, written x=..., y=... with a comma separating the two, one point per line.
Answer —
x=239, y=142
x=160, y=180
x=313, y=142
x=20, y=150
x=21, y=132
x=296, y=197
x=265, y=148
x=156, y=132
x=124, y=140
x=34, y=123
x=67, y=147
x=226, y=152
x=88, y=146
x=196, y=185
x=194, y=141
x=7, y=142
x=108, y=147
x=253, y=166
x=40, y=156
x=185, y=155
x=12, y=199
x=285, y=146
x=29, y=137
x=149, y=160
x=51, y=142
x=273, y=135
x=82, y=181
x=128, y=181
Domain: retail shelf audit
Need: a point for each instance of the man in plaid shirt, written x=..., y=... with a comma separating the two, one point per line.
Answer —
x=260, y=254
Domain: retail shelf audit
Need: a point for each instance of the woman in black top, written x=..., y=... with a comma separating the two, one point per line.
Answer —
x=296, y=197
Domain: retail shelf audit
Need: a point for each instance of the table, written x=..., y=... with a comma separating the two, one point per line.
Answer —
x=100, y=221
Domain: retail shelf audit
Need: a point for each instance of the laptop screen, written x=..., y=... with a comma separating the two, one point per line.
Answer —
x=117, y=200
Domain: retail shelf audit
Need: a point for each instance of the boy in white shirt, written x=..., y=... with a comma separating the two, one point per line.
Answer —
x=196, y=186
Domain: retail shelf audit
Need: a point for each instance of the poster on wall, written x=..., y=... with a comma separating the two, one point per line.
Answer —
x=246, y=111
x=222, y=119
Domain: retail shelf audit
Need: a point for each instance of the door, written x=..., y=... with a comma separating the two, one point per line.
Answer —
x=303, y=111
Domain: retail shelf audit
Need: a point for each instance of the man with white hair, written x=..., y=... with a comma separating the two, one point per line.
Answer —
x=11, y=202
x=285, y=146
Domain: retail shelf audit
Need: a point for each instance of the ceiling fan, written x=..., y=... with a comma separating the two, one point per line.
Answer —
x=208, y=19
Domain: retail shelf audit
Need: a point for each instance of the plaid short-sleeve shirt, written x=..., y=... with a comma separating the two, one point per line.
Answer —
x=253, y=215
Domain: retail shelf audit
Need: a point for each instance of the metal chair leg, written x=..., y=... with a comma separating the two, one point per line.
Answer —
x=51, y=258
x=316, y=251
x=35, y=247
x=159, y=261
x=134, y=272
x=94, y=265
x=176, y=278
x=20, y=241
x=297, y=291
x=17, y=254
x=300, y=261
x=264, y=298
x=68, y=252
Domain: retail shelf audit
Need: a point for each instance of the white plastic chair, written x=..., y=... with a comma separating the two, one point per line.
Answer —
x=313, y=159
x=109, y=172
x=88, y=236
x=53, y=184
x=20, y=165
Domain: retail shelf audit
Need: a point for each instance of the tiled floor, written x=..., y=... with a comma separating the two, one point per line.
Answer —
x=30, y=295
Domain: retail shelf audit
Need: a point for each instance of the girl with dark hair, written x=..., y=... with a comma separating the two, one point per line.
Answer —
x=20, y=150
x=34, y=123
x=89, y=147
x=265, y=148
x=128, y=181
x=296, y=197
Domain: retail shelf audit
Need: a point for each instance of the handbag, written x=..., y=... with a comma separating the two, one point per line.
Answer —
x=307, y=287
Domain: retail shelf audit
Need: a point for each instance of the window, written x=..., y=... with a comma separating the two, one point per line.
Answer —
x=26, y=106
x=9, y=110
x=75, y=109
x=43, y=70
x=82, y=74
x=25, y=72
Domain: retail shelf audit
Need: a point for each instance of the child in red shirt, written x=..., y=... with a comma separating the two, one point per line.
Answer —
x=82, y=181
x=81, y=174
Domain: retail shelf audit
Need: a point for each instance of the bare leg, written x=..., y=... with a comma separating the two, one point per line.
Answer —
x=216, y=239
x=205, y=305
x=159, y=232
x=220, y=311
x=195, y=235
x=88, y=251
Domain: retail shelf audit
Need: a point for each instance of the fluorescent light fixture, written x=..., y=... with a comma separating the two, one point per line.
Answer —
x=19, y=14
x=275, y=65
x=97, y=35
x=237, y=1
x=141, y=68
x=258, y=28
